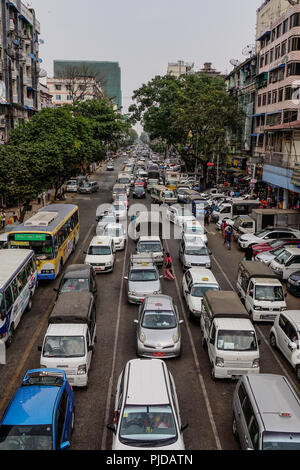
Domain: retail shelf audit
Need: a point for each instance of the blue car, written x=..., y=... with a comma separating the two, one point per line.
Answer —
x=41, y=414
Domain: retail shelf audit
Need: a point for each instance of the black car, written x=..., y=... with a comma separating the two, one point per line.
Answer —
x=78, y=278
x=293, y=284
x=139, y=192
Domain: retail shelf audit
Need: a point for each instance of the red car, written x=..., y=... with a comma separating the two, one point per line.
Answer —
x=274, y=244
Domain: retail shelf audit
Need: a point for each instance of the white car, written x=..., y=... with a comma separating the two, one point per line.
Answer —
x=101, y=254
x=146, y=410
x=117, y=233
x=228, y=220
x=120, y=210
x=267, y=235
x=195, y=282
x=103, y=219
x=194, y=230
x=179, y=215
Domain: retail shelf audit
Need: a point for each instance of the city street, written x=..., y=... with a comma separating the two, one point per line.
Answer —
x=205, y=404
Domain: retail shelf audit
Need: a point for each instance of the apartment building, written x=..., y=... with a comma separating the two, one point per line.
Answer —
x=70, y=91
x=179, y=68
x=19, y=65
x=277, y=119
x=45, y=97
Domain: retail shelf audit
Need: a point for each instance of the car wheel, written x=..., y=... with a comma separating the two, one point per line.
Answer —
x=11, y=335
x=203, y=342
x=29, y=305
x=297, y=370
x=234, y=428
x=273, y=341
x=73, y=421
x=212, y=372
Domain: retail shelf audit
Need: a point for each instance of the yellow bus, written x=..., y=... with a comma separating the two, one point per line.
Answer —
x=52, y=233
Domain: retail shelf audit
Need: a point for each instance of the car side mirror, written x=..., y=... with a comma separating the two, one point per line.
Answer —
x=136, y=322
x=126, y=278
x=161, y=277
x=292, y=345
x=181, y=322
x=111, y=427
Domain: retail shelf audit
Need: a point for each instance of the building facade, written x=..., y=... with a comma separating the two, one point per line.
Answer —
x=67, y=91
x=45, y=97
x=19, y=65
x=179, y=68
x=277, y=119
x=108, y=74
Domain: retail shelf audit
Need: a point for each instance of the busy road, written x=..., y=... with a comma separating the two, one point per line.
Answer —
x=204, y=403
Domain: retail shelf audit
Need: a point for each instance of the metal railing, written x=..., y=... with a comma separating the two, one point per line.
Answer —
x=279, y=159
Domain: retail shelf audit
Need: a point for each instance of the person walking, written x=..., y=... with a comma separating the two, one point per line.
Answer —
x=228, y=237
x=168, y=268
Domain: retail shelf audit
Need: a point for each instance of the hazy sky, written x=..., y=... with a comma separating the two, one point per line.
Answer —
x=144, y=35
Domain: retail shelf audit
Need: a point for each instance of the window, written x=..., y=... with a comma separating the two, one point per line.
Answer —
x=278, y=31
x=254, y=433
x=274, y=96
x=294, y=44
x=283, y=322
x=269, y=97
x=261, y=61
x=293, y=68
x=285, y=26
x=280, y=94
x=259, y=100
x=273, y=35
x=288, y=93
x=8, y=298
x=58, y=87
x=58, y=97
x=264, y=99
x=283, y=48
x=68, y=87
x=271, y=55
x=266, y=58
x=290, y=116
x=15, y=289
x=242, y=394
x=295, y=20
x=69, y=98
x=248, y=411
x=277, y=52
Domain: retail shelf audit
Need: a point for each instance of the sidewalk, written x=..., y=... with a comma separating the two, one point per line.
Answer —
x=35, y=206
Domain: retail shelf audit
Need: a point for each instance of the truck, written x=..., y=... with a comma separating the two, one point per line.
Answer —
x=234, y=208
x=260, y=291
x=228, y=335
x=70, y=337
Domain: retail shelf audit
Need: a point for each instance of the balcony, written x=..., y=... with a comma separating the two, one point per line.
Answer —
x=282, y=160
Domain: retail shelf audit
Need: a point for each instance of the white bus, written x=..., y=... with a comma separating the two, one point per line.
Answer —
x=18, y=281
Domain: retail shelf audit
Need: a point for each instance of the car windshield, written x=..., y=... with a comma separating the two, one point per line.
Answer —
x=124, y=180
x=281, y=440
x=139, y=189
x=99, y=250
x=143, y=275
x=86, y=185
x=149, y=247
x=269, y=293
x=283, y=257
x=196, y=251
x=198, y=290
x=26, y=437
x=261, y=234
x=113, y=232
x=277, y=251
x=119, y=207
x=159, y=320
x=169, y=194
x=64, y=346
x=236, y=340
x=72, y=183
x=75, y=284
x=43, y=250
x=147, y=425
x=107, y=218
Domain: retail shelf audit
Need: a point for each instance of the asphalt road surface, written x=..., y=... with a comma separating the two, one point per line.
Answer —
x=204, y=403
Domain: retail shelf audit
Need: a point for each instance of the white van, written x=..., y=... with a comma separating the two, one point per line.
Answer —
x=125, y=178
x=195, y=282
x=285, y=335
x=146, y=410
x=70, y=337
x=286, y=263
x=101, y=254
x=194, y=229
x=260, y=291
x=228, y=335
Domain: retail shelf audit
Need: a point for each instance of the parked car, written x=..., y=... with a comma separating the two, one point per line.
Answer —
x=278, y=243
x=268, y=256
x=267, y=235
x=72, y=186
x=293, y=284
x=41, y=414
x=286, y=263
x=146, y=393
x=110, y=166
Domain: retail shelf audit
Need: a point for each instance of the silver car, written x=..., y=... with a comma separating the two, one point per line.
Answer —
x=158, y=328
x=104, y=219
x=143, y=278
x=194, y=254
x=120, y=210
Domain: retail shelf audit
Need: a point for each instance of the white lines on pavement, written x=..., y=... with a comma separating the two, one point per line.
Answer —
x=200, y=376
x=110, y=385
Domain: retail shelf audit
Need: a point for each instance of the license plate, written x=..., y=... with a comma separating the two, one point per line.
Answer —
x=158, y=354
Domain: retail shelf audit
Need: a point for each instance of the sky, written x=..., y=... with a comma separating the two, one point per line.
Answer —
x=144, y=35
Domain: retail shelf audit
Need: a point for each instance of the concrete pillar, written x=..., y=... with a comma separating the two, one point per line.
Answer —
x=285, y=198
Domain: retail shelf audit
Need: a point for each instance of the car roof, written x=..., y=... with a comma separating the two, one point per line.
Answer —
x=283, y=399
x=147, y=382
x=152, y=238
x=202, y=275
x=71, y=307
x=32, y=405
x=294, y=315
x=99, y=240
x=77, y=270
x=293, y=251
x=158, y=302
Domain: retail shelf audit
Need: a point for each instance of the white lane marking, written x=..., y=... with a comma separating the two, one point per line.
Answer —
x=200, y=376
x=291, y=378
x=110, y=385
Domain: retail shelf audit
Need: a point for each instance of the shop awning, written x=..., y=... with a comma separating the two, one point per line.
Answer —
x=259, y=114
x=266, y=33
x=277, y=67
x=284, y=127
x=275, y=112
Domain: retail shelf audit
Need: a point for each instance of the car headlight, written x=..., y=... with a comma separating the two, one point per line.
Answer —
x=219, y=362
x=81, y=369
x=175, y=338
x=283, y=308
x=255, y=363
x=130, y=292
x=195, y=311
x=108, y=264
x=142, y=337
x=157, y=292
x=188, y=264
x=208, y=265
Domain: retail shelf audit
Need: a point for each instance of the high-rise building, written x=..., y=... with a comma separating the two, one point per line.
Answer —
x=108, y=74
x=19, y=65
x=268, y=12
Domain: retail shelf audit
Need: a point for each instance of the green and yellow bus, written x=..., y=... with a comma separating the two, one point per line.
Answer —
x=52, y=233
